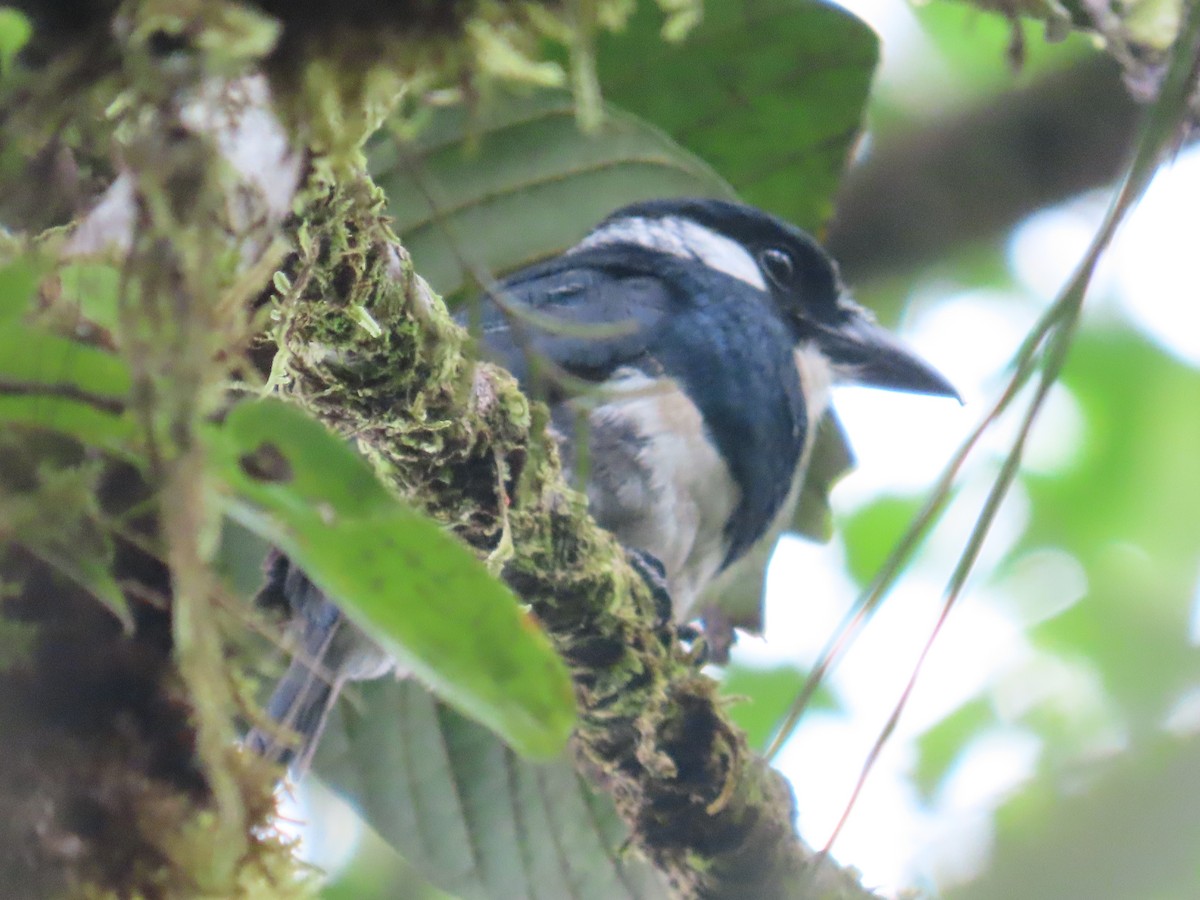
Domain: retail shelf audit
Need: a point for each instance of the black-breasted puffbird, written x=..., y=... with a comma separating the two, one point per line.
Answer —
x=692, y=344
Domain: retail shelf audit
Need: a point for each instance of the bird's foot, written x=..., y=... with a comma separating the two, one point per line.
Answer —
x=654, y=574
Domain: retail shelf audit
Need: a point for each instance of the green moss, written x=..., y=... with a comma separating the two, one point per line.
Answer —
x=364, y=347
x=461, y=442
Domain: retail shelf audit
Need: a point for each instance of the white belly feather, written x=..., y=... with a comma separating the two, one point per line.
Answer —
x=658, y=483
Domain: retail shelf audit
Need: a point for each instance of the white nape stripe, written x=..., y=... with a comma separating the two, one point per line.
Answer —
x=681, y=237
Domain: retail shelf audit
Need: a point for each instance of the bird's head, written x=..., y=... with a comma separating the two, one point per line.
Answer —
x=785, y=262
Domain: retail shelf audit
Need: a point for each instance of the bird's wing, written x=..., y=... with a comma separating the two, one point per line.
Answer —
x=584, y=315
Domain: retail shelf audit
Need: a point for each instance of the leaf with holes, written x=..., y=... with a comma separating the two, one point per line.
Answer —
x=397, y=574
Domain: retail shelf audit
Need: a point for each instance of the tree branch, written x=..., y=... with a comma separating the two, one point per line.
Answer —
x=456, y=438
x=969, y=177
x=461, y=441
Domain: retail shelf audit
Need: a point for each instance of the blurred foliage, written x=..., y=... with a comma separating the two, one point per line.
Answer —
x=1115, y=668
x=1127, y=829
x=378, y=872
x=961, y=55
x=1127, y=509
x=1114, y=665
x=972, y=44
x=309, y=493
x=15, y=32
x=942, y=745
x=871, y=533
x=764, y=99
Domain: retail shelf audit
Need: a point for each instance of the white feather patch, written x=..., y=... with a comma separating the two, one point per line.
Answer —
x=683, y=238
x=669, y=493
x=816, y=378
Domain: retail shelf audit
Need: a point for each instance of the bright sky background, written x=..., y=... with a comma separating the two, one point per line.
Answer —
x=901, y=443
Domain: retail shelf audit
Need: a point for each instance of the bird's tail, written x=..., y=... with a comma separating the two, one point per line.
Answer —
x=300, y=705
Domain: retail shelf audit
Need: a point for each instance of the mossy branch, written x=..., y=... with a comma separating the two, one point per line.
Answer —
x=364, y=345
x=461, y=441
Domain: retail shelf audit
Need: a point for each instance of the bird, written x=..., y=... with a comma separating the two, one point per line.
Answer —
x=686, y=349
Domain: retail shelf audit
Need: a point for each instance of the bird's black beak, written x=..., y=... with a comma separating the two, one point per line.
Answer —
x=864, y=353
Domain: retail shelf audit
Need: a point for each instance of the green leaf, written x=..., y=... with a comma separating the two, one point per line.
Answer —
x=471, y=816
x=941, y=746
x=872, y=532
x=117, y=434
x=95, y=289
x=239, y=559
x=15, y=32
x=771, y=93
x=53, y=382
x=473, y=199
x=51, y=507
x=90, y=572
x=377, y=871
x=974, y=44
x=63, y=366
x=18, y=280
x=394, y=572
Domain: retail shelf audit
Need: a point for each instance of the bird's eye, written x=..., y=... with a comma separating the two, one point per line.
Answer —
x=778, y=266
